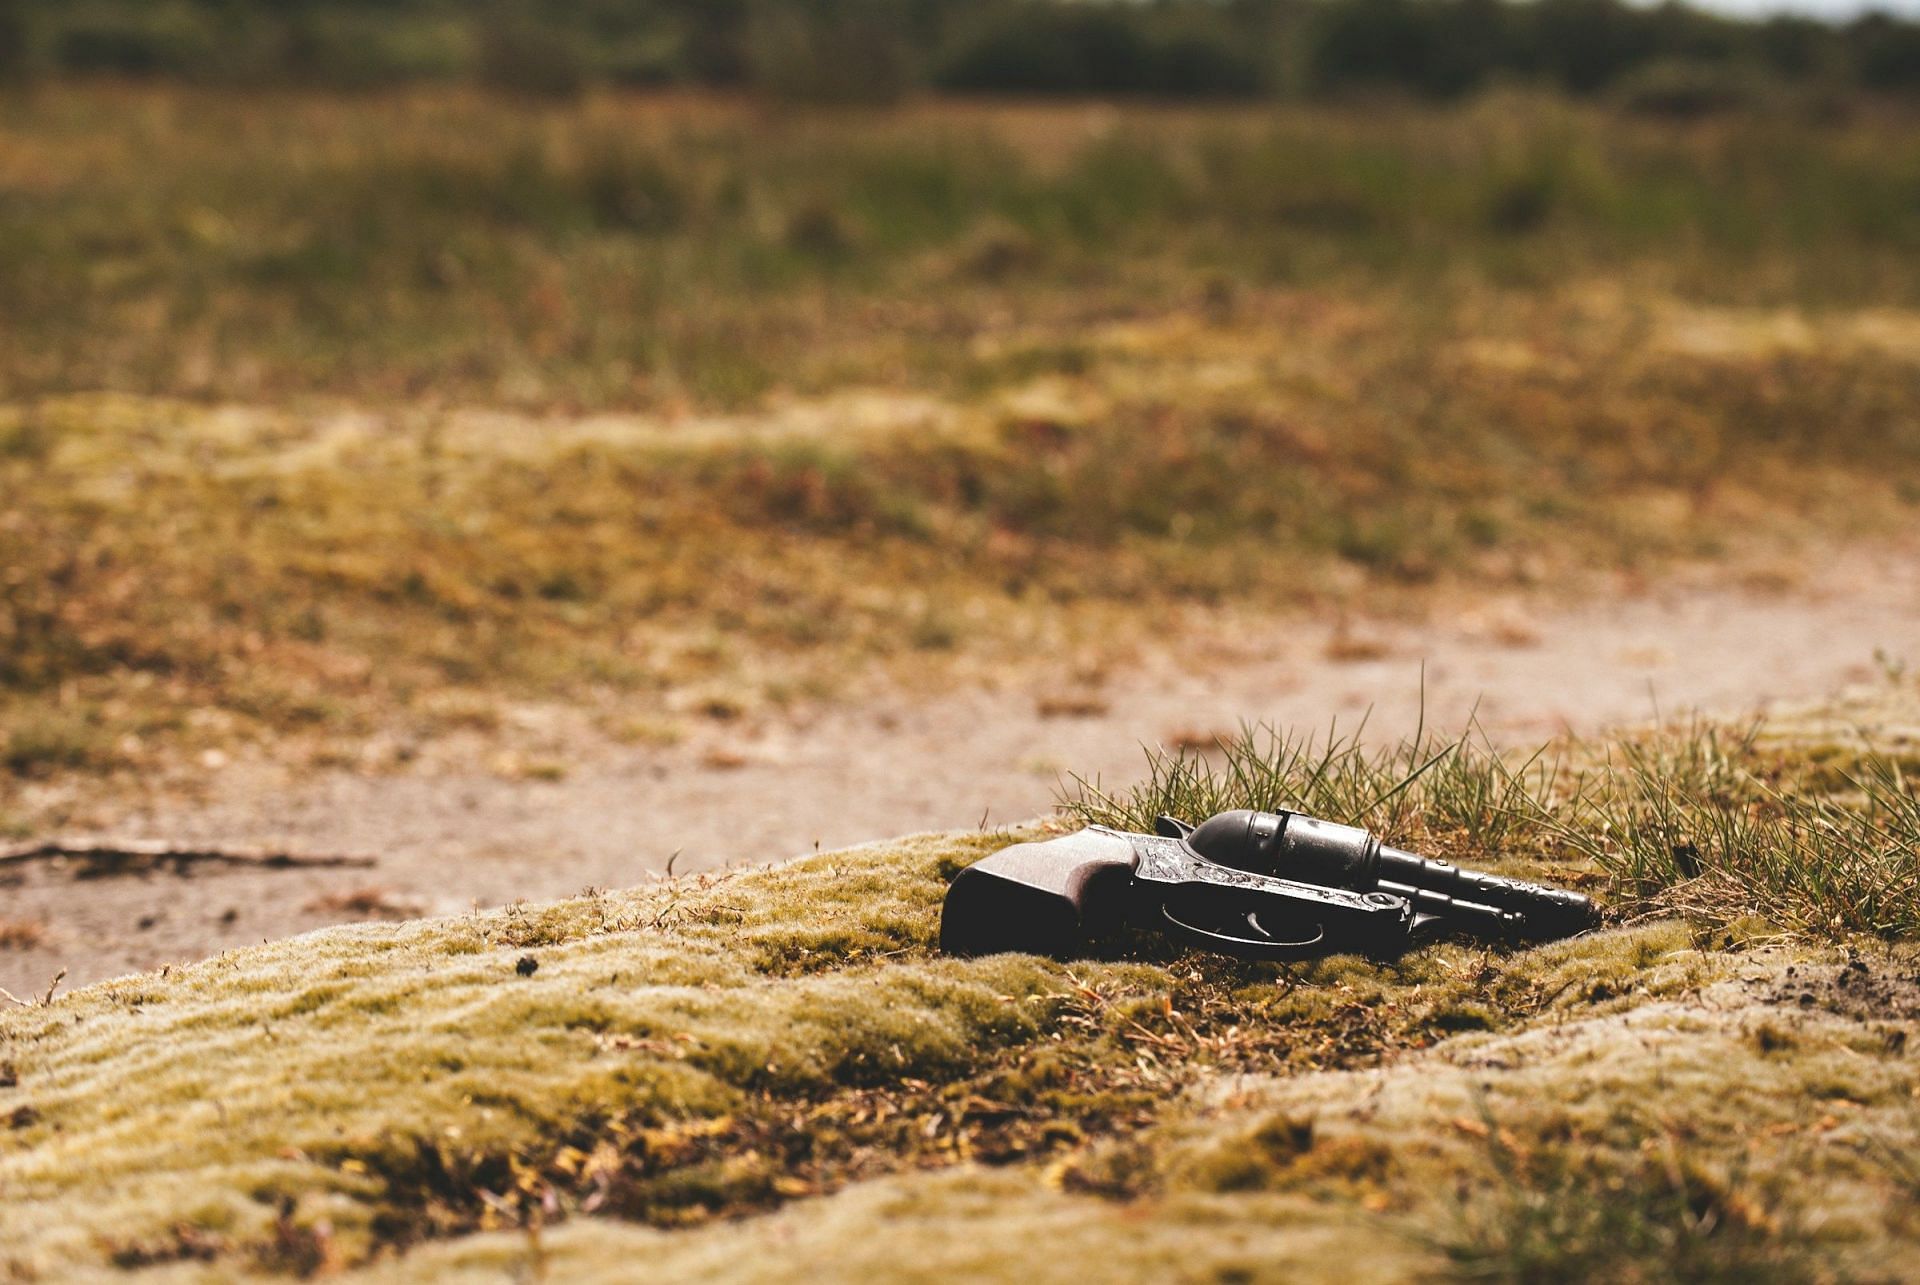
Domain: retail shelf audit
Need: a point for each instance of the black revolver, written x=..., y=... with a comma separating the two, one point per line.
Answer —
x=1260, y=885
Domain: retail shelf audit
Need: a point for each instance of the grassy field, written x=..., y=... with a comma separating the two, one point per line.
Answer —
x=1725, y=1092
x=333, y=422
x=333, y=418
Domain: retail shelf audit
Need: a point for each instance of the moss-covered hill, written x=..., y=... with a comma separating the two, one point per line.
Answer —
x=773, y=1073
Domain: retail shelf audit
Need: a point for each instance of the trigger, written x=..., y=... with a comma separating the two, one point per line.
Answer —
x=1318, y=932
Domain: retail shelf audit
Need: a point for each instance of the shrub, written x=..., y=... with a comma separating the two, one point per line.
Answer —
x=1088, y=50
x=532, y=59
x=15, y=52
x=1885, y=53
x=852, y=51
x=1685, y=91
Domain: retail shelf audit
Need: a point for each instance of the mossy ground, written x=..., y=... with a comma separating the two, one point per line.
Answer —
x=632, y=1074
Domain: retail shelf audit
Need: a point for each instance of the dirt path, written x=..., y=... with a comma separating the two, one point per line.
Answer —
x=900, y=763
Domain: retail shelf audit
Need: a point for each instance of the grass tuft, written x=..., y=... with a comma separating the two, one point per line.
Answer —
x=1712, y=822
x=1462, y=793
x=1691, y=824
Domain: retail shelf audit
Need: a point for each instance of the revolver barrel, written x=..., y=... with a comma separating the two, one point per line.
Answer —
x=1544, y=911
x=1295, y=846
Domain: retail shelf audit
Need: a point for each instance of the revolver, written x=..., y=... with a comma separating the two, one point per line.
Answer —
x=1258, y=885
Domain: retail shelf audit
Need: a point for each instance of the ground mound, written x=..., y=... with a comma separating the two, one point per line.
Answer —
x=775, y=1069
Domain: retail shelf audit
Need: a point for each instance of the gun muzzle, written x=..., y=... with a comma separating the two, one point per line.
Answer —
x=1545, y=912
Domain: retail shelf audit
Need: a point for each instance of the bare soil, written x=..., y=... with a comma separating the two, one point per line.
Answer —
x=446, y=838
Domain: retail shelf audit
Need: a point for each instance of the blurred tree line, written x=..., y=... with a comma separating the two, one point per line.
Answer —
x=876, y=50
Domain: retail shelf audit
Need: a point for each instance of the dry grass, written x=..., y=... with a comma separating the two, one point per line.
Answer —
x=649, y=252
x=251, y=497
x=331, y=578
x=369, y=902
x=1072, y=705
x=1349, y=648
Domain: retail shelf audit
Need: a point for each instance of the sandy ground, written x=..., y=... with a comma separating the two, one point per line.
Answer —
x=447, y=841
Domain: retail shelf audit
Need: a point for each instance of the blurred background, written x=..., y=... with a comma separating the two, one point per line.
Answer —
x=875, y=51
x=504, y=436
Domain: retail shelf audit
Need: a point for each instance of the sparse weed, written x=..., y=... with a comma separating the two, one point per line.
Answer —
x=1685, y=824
x=1892, y=666
x=455, y=710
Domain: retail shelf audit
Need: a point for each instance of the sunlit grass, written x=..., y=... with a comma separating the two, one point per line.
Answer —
x=1461, y=789
x=1699, y=826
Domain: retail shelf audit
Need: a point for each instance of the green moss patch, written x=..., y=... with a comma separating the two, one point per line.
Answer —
x=1638, y=1143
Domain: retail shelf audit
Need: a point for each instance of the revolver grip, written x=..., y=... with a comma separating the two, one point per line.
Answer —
x=1045, y=898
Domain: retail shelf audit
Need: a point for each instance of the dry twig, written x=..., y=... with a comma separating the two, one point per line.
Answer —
x=106, y=857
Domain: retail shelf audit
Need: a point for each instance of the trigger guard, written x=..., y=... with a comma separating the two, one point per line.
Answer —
x=1246, y=947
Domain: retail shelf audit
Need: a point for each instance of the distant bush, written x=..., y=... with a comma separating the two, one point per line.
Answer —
x=16, y=57
x=1885, y=52
x=820, y=231
x=520, y=56
x=632, y=193
x=875, y=51
x=1087, y=50
x=347, y=49
x=997, y=250
x=1797, y=47
x=1686, y=91
x=173, y=39
x=831, y=51
x=1439, y=48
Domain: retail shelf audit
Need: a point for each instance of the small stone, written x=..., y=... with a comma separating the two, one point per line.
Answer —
x=527, y=966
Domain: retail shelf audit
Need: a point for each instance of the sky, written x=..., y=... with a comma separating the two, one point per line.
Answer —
x=1834, y=9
